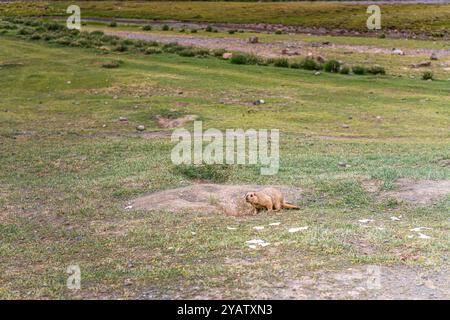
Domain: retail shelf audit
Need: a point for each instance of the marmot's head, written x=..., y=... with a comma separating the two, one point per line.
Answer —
x=251, y=197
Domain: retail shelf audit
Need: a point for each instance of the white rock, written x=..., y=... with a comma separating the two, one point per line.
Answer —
x=231, y=228
x=274, y=224
x=293, y=230
x=423, y=236
x=258, y=228
x=255, y=241
x=365, y=220
x=395, y=218
x=418, y=229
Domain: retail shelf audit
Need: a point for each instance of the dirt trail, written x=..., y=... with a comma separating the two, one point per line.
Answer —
x=358, y=282
x=270, y=50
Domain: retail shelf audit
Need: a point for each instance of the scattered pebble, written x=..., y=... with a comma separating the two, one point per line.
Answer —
x=231, y=228
x=423, y=236
x=393, y=218
x=345, y=126
x=258, y=102
x=123, y=119
x=128, y=207
x=293, y=230
x=365, y=220
x=140, y=127
x=274, y=224
x=257, y=242
x=258, y=228
x=418, y=229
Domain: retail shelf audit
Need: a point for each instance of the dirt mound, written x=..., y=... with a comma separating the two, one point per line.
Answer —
x=421, y=192
x=227, y=199
x=164, y=122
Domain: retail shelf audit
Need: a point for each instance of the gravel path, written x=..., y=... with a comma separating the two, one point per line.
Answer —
x=273, y=49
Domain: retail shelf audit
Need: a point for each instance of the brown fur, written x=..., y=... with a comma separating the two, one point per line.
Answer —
x=269, y=199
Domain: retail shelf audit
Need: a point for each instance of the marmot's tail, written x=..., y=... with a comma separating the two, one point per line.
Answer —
x=289, y=206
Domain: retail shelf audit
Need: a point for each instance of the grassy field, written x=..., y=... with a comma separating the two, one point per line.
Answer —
x=349, y=50
x=417, y=18
x=69, y=168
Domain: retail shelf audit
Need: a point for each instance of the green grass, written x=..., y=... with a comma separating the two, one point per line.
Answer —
x=69, y=167
x=416, y=17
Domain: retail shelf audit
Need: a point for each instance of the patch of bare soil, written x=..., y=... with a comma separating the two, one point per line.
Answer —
x=366, y=282
x=420, y=192
x=213, y=198
x=360, y=282
x=164, y=122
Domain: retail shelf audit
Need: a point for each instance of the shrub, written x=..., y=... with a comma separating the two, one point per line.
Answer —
x=172, y=47
x=152, y=50
x=243, y=58
x=345, y=70
x=281, y=63
x=147, y=27
x=54, y=26
x=97, y=33
x=187, y=52
x=232, y=31
x=182, y=30
x=376, y=70
x=332, y=66
x=278, y=31
x=427, y=75
x=113, y=24
x=165, y=28
x=218, y=52
x=295, y=65
x=193, y=30
x=111, y=64
x=24, y=32
x=63, y=41
x=208, y=29
x=120, y=48
x=310, y=64
x=35, y=36
x=359, y=70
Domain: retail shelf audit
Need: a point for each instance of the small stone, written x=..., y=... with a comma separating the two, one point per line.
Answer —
x=227, y=55
x=104, y=126
x=69, y=82
x=253, y=40
x=127, y=282
x=258, y=102
x=123, y=119
x=342, y=164
x=398, y=52
x=140, y=127
x=434, y=56
x=317, y=73
x=345, y=126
